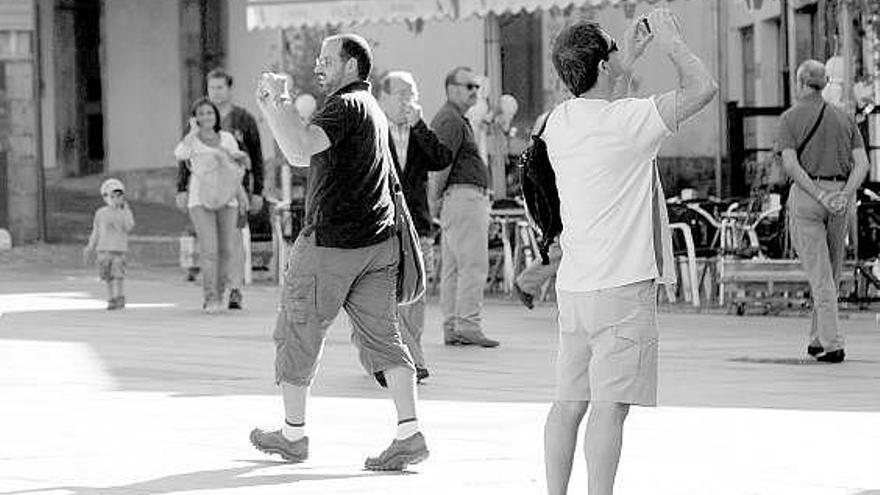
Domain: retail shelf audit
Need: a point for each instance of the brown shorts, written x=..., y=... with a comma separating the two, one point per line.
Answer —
x=608, y=345
x=320, y=281
x=111, y=265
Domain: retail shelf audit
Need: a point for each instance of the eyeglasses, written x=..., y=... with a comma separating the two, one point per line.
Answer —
x=322, y=61
x=115, y=192
x=469, y=86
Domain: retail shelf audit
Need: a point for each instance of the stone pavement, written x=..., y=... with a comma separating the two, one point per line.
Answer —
x=159, y=399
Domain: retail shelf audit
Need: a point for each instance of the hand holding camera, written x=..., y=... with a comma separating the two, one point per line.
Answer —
x=272, y=88
x=664, y=26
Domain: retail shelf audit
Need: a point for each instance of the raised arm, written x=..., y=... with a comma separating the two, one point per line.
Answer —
x=451, y=135
x=296, y=138
x=696, y=88
x=254, y=148
x=127, y=217
x=438, y=156
x=635, y=39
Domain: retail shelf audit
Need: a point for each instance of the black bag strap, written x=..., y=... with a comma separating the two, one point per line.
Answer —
x=800, y=149
x=544, y=124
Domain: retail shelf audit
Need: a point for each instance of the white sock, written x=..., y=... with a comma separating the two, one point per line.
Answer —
x=407, y=428
x=293, y=432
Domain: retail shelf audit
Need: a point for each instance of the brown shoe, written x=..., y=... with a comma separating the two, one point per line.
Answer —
x=273, y=442
x=400, y=454
x=473, y=337
x=450, y=337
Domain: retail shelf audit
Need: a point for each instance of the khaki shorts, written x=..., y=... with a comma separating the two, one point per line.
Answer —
x=608, y=345
x=111, y=265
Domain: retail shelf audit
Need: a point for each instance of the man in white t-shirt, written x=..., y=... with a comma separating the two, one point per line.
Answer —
x=615, y=240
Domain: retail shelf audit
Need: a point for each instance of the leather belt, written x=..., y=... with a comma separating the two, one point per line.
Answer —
x=835, y=178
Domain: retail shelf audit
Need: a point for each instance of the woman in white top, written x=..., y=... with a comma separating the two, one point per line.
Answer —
x=215, y=199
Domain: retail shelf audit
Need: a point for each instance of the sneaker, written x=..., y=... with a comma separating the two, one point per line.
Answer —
x=527, y=299
x=235, y=299
x=111, y=304
x=831, y=357
x=477, y=338
x=120, y=302
x=400, y=454
x=815, y=350
x=421, y=374
x=273, y=442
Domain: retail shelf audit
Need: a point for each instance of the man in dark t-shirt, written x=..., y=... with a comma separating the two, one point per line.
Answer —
x=461, y=193
x=346, y=254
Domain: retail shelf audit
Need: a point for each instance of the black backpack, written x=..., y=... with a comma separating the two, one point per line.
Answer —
x=540, y=193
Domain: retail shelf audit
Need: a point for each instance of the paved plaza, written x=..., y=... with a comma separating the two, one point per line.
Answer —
x=159, y=399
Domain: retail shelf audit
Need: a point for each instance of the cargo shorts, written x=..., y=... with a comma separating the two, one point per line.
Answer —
x=318, y=282
x=608, y=345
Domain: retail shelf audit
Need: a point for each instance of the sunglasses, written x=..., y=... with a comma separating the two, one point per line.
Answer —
x=115, y=192
x=612, y=47
x=469, y=86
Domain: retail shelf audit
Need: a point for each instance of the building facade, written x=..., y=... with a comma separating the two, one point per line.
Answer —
x=118, y=76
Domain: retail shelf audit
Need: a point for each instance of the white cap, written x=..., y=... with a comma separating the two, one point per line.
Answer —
x=111, y=185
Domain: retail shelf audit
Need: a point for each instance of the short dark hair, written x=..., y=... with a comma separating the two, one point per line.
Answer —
x=356, y=47
x=577, y=51
x=220, y=73
x=205, y=101
x=450, y=77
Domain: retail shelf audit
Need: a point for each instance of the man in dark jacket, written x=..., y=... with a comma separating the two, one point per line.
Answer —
x=416, y=151
x=241, y=124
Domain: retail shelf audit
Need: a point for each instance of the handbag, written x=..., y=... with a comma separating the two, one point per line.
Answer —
x=540, y=194
x=219, y=181
x=411, y=264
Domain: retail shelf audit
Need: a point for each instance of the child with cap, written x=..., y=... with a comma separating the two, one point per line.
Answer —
x=109, y=238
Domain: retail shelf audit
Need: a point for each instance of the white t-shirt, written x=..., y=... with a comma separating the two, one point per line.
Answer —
x=200, y=155
x=603, y=155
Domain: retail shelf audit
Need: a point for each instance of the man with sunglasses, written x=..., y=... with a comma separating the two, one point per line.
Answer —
x=615, y=240
x=461, y=194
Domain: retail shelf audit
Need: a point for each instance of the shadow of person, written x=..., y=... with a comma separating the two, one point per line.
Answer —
x=209, y=480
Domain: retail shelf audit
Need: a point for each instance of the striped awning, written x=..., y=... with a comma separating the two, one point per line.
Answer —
x=296, y=13
x=469, y=8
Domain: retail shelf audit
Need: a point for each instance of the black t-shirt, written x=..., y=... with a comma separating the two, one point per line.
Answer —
x=349, y=202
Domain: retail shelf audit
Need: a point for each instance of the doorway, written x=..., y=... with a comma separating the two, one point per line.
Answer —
x=79, y=102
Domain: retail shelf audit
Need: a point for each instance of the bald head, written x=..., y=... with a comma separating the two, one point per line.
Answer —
x=811, y=73
x=397, y=79
x=397, y=94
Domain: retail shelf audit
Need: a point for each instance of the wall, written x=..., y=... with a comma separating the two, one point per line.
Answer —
x=248, y=54
x=143, y=81
x=429, y=55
